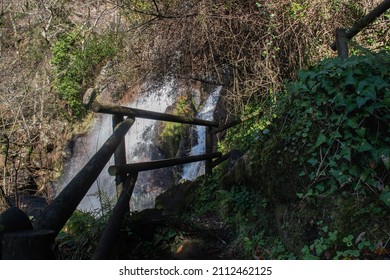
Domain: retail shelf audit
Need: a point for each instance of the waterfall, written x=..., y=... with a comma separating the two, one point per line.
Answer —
x=139, y=147
x=193, y=170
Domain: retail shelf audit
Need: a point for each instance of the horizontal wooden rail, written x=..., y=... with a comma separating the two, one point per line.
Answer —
x=59, y=211
x=226, y=126
x=365, y=21
x=218, y=161
x=138, y=113
x=234, y=123
x=156, y=164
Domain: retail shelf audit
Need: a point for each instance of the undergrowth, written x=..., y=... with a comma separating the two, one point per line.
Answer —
x=322, y=184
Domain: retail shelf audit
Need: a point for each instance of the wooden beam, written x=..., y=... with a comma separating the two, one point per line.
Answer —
x=138, y=113
x=218, y=161
x=156, y=164
x=209, y=150
x=119, y=154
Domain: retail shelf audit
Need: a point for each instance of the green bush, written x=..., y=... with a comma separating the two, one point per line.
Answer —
x=338, y=116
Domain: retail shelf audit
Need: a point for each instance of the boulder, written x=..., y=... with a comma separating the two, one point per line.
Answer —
x=175, y=198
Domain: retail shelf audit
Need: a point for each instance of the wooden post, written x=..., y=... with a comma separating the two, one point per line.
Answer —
x=111, y=231
x=119, y=155
x=12, y=220
x=58, y=212
x=209, y=150
x=341, y=43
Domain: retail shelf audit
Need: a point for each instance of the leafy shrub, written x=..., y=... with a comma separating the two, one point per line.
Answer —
x=330, y=146
x=339, y=115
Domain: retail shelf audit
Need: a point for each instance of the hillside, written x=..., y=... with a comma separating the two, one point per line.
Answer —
x=58, y=56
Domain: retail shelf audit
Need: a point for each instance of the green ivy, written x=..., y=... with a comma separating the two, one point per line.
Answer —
x=338, y=112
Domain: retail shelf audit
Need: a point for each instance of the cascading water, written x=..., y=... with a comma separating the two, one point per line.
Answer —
x=140, y=146
x=193, y=170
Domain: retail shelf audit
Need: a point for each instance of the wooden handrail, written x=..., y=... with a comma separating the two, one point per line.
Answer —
x=138, y=113
x=365, y=21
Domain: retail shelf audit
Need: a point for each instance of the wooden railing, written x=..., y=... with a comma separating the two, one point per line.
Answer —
x=342, y=35
x=54, y=217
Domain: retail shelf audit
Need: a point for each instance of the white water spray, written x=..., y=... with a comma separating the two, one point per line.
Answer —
x=193, y=170
x=139, y=147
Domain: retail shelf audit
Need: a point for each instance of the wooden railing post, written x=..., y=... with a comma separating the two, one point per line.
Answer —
x=365, y=21
x=209, y=150
x=341, y=43
x=112, y=228
x=119, y=155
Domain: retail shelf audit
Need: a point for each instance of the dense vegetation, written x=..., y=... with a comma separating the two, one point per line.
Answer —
x=321, y=165
x=318, y=142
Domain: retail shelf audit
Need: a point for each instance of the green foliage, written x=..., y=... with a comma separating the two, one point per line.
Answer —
x=162, y=243
x=243, y=136
x=297, y=10
x=331, y=245
x=80, y=235
x=338, y=123
x=76, y=59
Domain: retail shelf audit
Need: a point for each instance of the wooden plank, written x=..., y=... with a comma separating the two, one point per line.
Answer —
x=59, y=211
x=156, y=164
x=218, y=161
x=138, y=113
x=365, y=21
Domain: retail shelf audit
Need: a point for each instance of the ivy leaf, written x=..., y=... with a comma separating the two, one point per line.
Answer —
x=385, y=198
x=349, y=80
x=346, y=153
x=360, y=101
x=320, y=140
x=364, y=147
